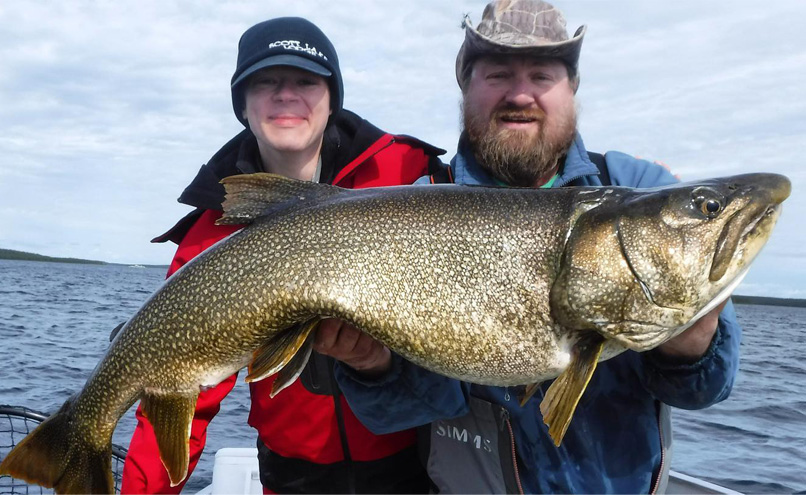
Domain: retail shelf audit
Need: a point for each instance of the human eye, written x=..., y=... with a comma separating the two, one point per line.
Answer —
x=265, y=80
x=541, y=76
x=307, y=82
x=498, y=75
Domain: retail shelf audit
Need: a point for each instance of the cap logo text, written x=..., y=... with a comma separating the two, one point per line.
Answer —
x=296, y=45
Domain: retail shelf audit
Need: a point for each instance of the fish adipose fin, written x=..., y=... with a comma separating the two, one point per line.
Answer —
x=252, y=196
x=287, y=353
x=563, y=395
x=52, y=456
x=171, y=416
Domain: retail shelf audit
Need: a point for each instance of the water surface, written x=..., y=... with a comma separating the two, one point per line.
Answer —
x=55, y=321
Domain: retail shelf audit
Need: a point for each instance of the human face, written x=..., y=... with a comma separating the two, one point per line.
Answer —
x=287, y=110
x=520, y=116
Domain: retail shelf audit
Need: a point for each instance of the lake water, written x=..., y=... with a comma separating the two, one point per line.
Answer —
x=55, y=321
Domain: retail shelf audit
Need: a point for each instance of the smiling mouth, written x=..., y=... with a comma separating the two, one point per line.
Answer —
x=518, y=120
x=286, y=120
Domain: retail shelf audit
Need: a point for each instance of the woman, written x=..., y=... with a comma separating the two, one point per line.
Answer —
x=288, y=92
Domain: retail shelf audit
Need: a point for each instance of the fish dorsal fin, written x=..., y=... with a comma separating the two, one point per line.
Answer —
x=251, y=196
x=171, y=416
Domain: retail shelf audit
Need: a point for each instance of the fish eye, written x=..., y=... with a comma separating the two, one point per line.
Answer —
x=706, y=202
x=711, y=206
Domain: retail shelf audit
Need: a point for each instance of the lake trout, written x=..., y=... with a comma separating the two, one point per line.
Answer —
x=497, y=286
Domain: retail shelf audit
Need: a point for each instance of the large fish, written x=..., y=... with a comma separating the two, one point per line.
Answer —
x=493, y=286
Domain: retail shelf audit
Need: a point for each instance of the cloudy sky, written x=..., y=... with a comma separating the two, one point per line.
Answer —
x=107, y=108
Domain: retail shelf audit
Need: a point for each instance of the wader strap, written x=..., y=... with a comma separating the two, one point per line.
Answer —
x=666, y=447
x=598, y=159
x=439, y=172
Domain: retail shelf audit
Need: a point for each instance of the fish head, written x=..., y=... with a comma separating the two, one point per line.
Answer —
x=644, y=267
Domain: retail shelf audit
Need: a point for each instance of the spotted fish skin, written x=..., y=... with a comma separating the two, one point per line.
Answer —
x=489, y=285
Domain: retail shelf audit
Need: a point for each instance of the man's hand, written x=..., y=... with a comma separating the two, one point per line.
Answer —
x=353, y=347
x=692, y=343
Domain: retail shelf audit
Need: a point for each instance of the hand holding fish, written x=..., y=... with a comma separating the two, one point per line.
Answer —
x=692, y=344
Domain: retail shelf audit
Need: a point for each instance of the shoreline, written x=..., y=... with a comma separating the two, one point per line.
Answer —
x=12, y=255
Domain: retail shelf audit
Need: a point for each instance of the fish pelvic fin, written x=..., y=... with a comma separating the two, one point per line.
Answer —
x=171, y=417
x=563, y=395
x=286, y=353
x=251, y=196
x=293, y=369
x=54, y=456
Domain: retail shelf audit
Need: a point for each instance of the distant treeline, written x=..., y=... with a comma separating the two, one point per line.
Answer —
x=769, y=301
x=10, y=254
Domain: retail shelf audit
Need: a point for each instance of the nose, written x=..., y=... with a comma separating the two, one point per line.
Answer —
x=285, y=91
x=521, y=93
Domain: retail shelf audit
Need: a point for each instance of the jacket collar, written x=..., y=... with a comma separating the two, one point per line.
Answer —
x=467, y=170
x=346, y=137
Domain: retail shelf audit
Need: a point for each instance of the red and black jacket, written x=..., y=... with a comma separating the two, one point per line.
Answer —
x=309, y=441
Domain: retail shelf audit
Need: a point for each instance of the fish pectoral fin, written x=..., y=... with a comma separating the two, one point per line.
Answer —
x=171, y=417
x=250, y=196
x=528, y=392
x=563, y=395
x=280, y=350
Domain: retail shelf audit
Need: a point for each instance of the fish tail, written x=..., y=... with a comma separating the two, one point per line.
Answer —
x=54, y=456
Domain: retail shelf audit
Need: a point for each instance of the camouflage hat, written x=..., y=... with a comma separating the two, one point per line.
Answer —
x=518, y=27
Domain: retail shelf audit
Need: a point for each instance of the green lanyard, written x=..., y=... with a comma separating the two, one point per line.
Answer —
x=550, y=182
x=544, y=186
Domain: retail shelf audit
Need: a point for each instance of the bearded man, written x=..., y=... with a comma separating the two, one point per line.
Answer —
x=518, y=72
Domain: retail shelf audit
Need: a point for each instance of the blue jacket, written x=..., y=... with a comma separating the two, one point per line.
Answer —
x=613, y=444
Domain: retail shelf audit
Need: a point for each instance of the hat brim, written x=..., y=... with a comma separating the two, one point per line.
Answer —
x=477, y=45
x=567, y=50
x=285, y=61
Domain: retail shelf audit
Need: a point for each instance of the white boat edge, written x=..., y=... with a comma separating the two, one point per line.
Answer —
x=236, y=472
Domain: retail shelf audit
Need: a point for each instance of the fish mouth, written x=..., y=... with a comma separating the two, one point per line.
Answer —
x=759, y=223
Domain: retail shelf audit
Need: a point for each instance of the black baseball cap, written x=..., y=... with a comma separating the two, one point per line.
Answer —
x=291, y=42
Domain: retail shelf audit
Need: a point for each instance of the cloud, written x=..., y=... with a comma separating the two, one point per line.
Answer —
x=107, y=109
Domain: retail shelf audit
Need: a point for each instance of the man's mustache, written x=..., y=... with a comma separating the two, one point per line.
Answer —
x=518, y=114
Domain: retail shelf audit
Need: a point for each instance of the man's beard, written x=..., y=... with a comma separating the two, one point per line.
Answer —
x=519, y=158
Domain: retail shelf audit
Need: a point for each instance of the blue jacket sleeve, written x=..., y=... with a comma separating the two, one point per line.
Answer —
x=626, y=170
x=710, y=379
x=406, y=397
x=702, y=383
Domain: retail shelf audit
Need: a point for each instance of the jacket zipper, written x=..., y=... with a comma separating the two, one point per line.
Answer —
x=392, y=141
x=656, y=484
x=345, y=446
x=505, y=414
